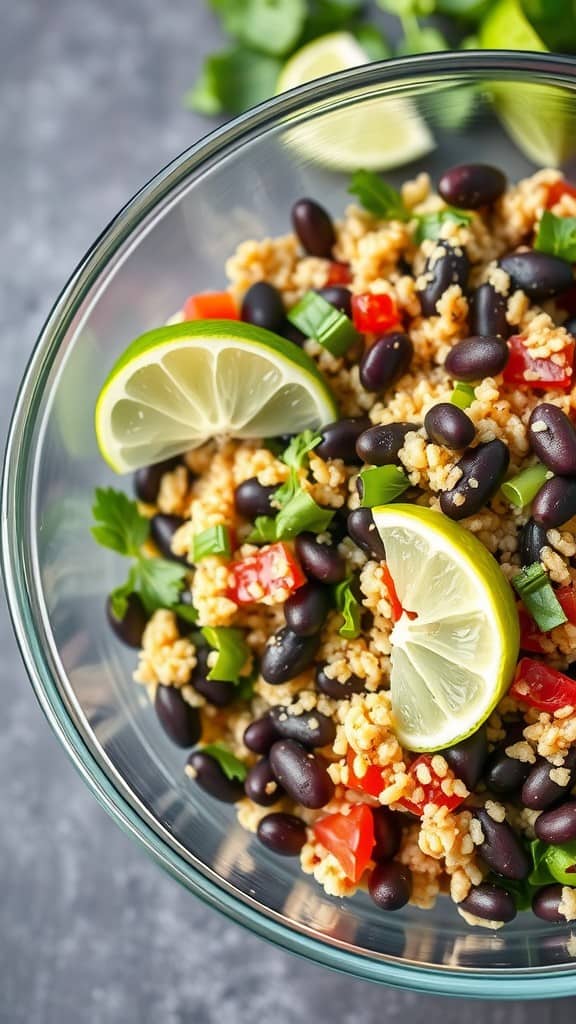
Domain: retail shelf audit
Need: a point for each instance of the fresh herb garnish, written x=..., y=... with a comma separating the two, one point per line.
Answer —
x=215, y=540
x=298, y=510
x=120, y=527
x=537, y=595
x=557, y=236
x=317, y=318
x=231, y=765
x=350, y=608
x=267, y=26
x=296, y=454
x=233, y=652
x=378, y=197
x=430, y=224
x=381, y=484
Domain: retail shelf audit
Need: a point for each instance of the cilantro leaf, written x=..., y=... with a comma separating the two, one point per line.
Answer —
x=233, y=652
x=296, y=454
x=263, y=531
x=378, y=197
x=158, y=582
x=119, y=596
x=233, y=80
x=429, y=225
x=119, y=525
x=350, y=607
x=267, y=26
x=231, y=765
x=557, y=236
x=302, y=514
x=187, y=612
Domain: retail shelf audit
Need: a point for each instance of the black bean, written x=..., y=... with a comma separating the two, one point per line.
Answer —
x=477, y=357
x=448, y=425
x=306, y=610
x=387, y=833
x=483, y=469
x=162, y=529
x=379, y=446
x=489, y=902
x=385, y=360
x=301, y=773
x=206, y=771
x=502, y=849
x=311, y=729
x=532, y=540
x=540, y=791
x=184, y=625
x=336, y=690
x=471, y=186
x=147, y=480
x=339, y=439
x=390, y=885
x=322, y=561
x=441, y=272
x=252, y=499
x=260, y=735
x=555, y=502
x=546, y=901
x=467, y=758
x=362, y=529
x=262, y=305
x=338, y=296
x=216, y=691
x=180, y=721
x=260, y=784
x=283, y=833
x=130, y=628
x=488, y=312
x=538, y=274
x=505, y=775
x=286, y=655
x=553, y=438
x=558, y=825
x=314, y=228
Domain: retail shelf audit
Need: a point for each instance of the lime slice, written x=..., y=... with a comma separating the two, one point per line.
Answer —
x=538, y=118
x=455, y=660
x=376, y=133
x=176, y=387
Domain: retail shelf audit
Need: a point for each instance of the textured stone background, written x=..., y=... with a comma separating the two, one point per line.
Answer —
x=90, y=931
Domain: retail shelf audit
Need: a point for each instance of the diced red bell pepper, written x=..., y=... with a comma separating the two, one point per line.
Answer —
x=273, y=568
x=339, y=273
x=522, y=370
x=432, y=792
x=557, y=190
x=542, y=687
x=372, y=782
x=210, y=306
x=530, y=636
x=374, y=314
x=350, y=837
x=567, y=600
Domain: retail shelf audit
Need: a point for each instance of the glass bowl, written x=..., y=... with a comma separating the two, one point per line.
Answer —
x=173, y=237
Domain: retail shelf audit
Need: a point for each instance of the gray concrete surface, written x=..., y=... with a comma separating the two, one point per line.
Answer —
x=90, y=931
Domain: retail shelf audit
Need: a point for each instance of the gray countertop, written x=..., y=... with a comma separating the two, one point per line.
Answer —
x=90, y=930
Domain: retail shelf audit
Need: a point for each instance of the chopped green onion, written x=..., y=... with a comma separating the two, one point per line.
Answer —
x=462, y=395
x=537, y=595
x=561, y=862
x=520, y=490
x=381, y=484
x=316, y=318
x=213, y=541
x=350, y=607
x=231, y=765
x=233, y=652
x=263, y=531
x=187, y=612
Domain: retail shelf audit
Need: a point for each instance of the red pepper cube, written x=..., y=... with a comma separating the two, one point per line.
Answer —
x=522, y=370
x=371, y=783
x=339, y=273
x=540, y=686
x=530, y=636
x=210, y=306
x=432, y=791
x=350, y=838
x=257, y=577
x=567, y=601
x=374, y=314
x=557, y=190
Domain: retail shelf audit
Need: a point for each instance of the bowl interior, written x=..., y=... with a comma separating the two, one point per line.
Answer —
x=174, y=239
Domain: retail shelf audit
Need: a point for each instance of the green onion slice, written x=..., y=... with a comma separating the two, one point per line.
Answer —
x=381, y=484
x=316, y=318
x=233, y=652
x=520, y=490
x=350, y=608
x=213, y=541
x=537, y=595
x=462, y=395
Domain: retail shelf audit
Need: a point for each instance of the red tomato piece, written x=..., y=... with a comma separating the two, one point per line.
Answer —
x=557, y=190
x=210, y=306
x=542, y=687
x=530, y=636
x=392, y=595
x=372, y=783
x=567, y=600
x=272, y=568
x=431, y=792
x=374, y=314
x=339, y=273
x=524, y=371
x=350, y=837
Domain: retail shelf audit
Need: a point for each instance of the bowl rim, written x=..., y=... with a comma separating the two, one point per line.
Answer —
x=525, y=983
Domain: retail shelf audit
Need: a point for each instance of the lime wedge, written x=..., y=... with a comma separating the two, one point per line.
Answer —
x=538, y=118
x=176, y=387
x=452, y=663
x=376, y=133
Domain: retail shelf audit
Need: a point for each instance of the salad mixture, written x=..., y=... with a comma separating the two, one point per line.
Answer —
x=352, y=547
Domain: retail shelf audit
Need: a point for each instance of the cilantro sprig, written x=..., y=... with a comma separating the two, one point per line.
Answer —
x=557, y=236
x=231, y=765
x=121, y=527
x=385, y=202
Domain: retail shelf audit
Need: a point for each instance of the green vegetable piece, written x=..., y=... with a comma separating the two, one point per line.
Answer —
x=429, y=225
x=158, y=582
x=326, y=16
x=296, y=454
x=462, y=395
x=537, y=595
x=268, y=26
x=521, y=489
x=350, y=608
x=232, y=81
x=119, y=596
x=381, y=484
x=119, y=524
x=377, y=196
x=213, y=541
x=233, y=652
x=231, y=765
x=302, y=514
x=557, y=236
x=263, y=531
x=318, y=319
x=540, y=874
x=186, y=612
x=561, y=863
